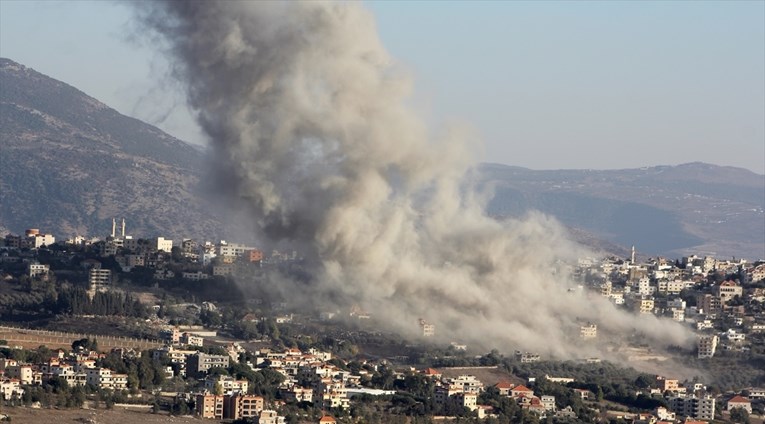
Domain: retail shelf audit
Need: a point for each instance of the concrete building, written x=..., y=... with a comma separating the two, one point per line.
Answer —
x=99, y=280
x=239, y=405
x=191, y=339
x=227, y=384
x=199, y=363
x=428, y=330
x=36, y=269
x=589, y=331
x=232, y=250
x=10, y=388
x=710, y=304
x=643, y=305
x=34, y=239
x=707, y=345
x=164, y=244
x=700, y=408
x=740, y=402
x=106, y=379
x=23, y=373
x=727, y=290
x=209, y=406
x=270, y=417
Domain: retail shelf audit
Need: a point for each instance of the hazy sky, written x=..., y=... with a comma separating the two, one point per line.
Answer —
x=546, y=85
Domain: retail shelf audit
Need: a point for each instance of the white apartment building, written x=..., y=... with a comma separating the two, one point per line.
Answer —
x=227, y=384
x=164, y=244
x=105, y=379
x=36, y=269
x=232, y=249
x=9, y=387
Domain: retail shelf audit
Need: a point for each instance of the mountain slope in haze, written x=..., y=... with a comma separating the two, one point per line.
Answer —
x=69, y=164
x=668, y=210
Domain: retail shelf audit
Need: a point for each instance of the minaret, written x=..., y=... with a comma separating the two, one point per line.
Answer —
x=632, y=257
x=123, y=228
x=114, y=227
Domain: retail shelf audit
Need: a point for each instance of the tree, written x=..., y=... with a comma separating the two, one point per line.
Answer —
x=739, y=415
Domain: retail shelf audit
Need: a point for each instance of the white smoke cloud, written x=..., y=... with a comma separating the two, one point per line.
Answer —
x=306, y=114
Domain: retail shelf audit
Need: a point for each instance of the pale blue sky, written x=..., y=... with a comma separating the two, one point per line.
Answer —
x=546, y=85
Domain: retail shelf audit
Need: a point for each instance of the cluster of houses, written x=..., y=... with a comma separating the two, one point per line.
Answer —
x=201, y=261
x=660, y=286
x=76, y=368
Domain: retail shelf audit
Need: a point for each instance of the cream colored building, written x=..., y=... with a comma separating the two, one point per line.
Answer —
x=707, y=346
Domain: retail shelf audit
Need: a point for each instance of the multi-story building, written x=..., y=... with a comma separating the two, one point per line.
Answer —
x=428, y=330
x=36, y=269
x=209, y=406
x=191, y=339
x=199, y=363
x=527, y=357
x=710, y=304
x=223, y=269
x=227, y=384
x=34, y=239
x=232, y=250
x=106, y=379
x=10, y=387
x=700, y=408
x=190, y=249
x=468, y=400
x=239, y=405
x=644, y=305
x=589, y=331
x=23, y=373
x=99, y=280
x=549, y=403
x=727, y=290
x=164, y=244
x=270, y=417
x=707, y=345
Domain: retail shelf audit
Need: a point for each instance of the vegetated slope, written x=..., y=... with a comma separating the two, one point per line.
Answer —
x=69, y=164
x=668, y=210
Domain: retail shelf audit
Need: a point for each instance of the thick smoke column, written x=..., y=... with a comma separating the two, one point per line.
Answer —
x=306, y=115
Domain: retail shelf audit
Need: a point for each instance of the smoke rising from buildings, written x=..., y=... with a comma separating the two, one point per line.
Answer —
x=307, y=117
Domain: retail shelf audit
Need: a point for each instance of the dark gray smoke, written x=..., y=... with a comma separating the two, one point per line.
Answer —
x=306, y=113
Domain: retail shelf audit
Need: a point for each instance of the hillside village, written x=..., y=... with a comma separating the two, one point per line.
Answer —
x=263, y=364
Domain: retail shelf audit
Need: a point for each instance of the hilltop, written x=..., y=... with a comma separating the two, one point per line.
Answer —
x=670, y=210
x=70, y=164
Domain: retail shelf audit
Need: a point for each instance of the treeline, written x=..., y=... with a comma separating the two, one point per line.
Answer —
x=77, y=302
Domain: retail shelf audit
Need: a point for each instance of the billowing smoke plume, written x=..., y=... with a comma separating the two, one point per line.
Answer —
x=307, y=116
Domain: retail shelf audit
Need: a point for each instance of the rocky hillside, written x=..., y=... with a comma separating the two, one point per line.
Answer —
x=69, y=164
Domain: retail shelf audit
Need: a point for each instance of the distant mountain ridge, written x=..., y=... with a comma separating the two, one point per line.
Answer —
x=669, y=210
x=69, y=164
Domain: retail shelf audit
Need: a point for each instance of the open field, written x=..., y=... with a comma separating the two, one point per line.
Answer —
x=31, y=339
x=93, y=416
